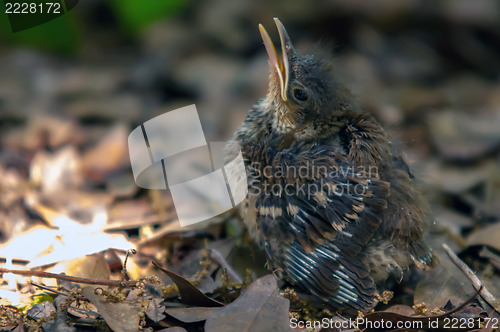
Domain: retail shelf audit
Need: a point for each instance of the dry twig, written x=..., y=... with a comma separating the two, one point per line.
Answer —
x=42, y=274
x=476, y=283
x=217, y=257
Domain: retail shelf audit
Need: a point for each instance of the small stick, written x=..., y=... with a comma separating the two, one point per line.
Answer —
x=476, y=283
x=120, y=225
x=217, y=257
x=124, y=269
x=48, y=289
x=42, y=274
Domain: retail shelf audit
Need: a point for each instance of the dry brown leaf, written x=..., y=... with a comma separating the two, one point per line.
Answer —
x=188, y=292
x=109, y=155
x=122, y=316
x=259, y=308
x=488, y=235
x=191, y=315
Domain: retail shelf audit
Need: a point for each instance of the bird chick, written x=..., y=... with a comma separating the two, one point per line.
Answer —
x=335, y=208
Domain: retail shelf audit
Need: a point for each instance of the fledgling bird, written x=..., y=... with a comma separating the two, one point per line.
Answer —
x=335, y=208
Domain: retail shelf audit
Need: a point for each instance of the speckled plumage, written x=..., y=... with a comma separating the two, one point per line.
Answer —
x=335, y=208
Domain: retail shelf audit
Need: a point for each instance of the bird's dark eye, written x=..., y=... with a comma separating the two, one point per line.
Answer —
x=300, y=94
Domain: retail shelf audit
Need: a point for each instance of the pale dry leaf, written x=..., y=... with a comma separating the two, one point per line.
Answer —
x=191, y=315
x=259, y=308
x=122, y=316
x=488, y=235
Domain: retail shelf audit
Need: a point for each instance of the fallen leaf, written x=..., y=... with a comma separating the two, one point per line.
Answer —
x=190, y=294
x=454, y=179
x=108, y=155
x=90, y=266
x=450, y=221
x=57, y=171
x=155, y=310
x=122, y=316
x=259, y=308
x=443, y=283
x=401, y=309
x=19, y=328
x=41, y=310
x=47, y=129
x=191, y=315
x=464, y=137
x=488, y=235
x=491, y=256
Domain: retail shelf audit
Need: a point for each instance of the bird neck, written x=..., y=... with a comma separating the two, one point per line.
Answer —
x=285, y=122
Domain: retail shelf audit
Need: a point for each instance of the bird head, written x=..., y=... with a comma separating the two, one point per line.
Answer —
x=302, y=88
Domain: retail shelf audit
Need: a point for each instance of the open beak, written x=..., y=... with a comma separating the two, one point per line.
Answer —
x=282, y=66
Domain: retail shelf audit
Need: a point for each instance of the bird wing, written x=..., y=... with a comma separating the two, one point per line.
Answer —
x=407, y=212
x=315, y=230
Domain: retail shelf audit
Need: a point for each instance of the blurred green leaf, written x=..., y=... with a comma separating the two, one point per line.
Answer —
x=41, y=298
x=59, y=35
x=137, y=15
